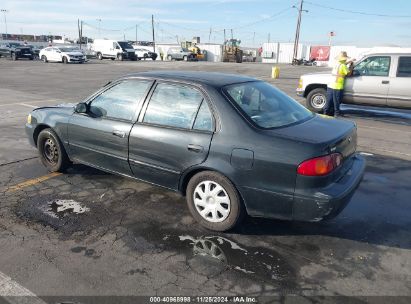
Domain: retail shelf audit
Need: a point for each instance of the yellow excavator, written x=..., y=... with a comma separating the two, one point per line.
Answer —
x=232, y=51
x=193, y=48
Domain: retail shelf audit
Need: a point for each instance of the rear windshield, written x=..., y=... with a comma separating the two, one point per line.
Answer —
x=265, y=105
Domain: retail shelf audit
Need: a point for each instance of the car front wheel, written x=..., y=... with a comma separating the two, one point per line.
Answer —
x=214, y=201
x=65, y=60
x=44, y=58
x=169, y=58
x=316, y=100
x=13, y=56
x=51, y=151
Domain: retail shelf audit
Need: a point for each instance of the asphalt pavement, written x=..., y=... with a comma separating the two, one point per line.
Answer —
x=127, y=238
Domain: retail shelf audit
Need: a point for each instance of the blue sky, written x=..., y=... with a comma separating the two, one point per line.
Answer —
x=251, y=21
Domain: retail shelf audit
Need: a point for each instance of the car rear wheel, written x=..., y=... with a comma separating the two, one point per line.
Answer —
x=51, y=151
x=316, y=100
x=44, y=58
x=169, y=58
x=185, y=58
x=120, y=57
x=31, y=58
x=65, y=60
x=99, y=56
x=13, y=56
x=214, y=201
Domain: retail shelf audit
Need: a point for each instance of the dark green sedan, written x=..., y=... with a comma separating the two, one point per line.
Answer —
x=233, y=145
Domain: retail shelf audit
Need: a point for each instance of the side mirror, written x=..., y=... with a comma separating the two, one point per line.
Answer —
x=117, y=47
x=81, y=107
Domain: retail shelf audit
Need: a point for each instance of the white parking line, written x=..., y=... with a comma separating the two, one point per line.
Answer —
x=28, y=102
x=27, y=105
x=14, y=293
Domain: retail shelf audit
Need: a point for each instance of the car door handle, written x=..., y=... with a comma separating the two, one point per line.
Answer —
x=195, y=148
x=119, y=133
x=385, y=82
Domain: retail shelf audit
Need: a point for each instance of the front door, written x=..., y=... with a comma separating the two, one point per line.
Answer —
x=370, y=81
x=172, y=134
x=100, y=136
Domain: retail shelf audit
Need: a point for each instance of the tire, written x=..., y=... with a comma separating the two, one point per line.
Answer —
x=120, y=57
x=13, y=56
x=169, y=58
x=185, y=58
x=214, y=220
x=44, y=58
x=31, y=58
x=99, y=56
x=65, y=60
x=316, y=100
x=51, y=151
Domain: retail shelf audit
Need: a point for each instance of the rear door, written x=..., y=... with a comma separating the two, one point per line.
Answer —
x=100, y=136
x=370, y=81
x=173, y=133
x=399, y=94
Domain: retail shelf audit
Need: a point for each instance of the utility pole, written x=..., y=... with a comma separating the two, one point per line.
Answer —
x=268, y=40
x=136, y=32
x=297, y=31
x=209, y=35
x=224, y=36
x=232, y=37
x=99, y=28
x=4, y=11
x=152, y=26
x=253, y=39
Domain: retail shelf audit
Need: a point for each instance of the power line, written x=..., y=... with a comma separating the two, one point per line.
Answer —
x=357, y=12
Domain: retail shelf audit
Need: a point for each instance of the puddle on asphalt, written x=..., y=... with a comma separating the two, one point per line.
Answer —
x=212, y=254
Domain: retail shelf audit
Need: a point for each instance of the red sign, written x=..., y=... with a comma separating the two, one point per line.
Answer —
x=320, y=53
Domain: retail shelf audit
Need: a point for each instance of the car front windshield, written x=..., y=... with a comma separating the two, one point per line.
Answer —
x=15, y=44
x=125, y=45
x=265, y=105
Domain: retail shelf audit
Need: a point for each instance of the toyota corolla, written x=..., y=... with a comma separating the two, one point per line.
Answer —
x=231, y=144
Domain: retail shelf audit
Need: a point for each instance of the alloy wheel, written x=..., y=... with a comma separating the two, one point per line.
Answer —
x=50, y=151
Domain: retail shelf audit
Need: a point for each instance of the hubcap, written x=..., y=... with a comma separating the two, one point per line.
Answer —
x=50, y=151
x=318, y=101
x=211, y=201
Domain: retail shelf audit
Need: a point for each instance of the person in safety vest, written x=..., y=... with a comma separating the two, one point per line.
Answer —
x=336, y=87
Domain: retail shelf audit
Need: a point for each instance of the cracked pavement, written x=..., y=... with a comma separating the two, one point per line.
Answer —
x=138, y=239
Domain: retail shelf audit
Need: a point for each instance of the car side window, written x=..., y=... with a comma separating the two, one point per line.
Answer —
x=374, y=66
x=120, y=101
x=404, y=67
x=204, y=119
x=173, y=105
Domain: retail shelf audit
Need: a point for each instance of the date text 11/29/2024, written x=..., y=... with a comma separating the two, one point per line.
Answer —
x=204, y=299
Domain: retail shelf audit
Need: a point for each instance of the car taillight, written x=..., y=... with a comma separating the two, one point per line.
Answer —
x=319, y=166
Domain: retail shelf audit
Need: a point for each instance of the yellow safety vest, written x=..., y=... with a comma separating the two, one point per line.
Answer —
x=339, y=72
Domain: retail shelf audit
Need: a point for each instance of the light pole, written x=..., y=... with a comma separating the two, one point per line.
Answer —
x=4, y=11
x=297, y=31
x=99, y=27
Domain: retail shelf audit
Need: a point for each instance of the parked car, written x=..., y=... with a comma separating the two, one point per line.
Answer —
x=144, y=53
x=113, y=49
x=62, y=54
x=233, y=145
x=377, y=79
x=15, y=51
x=36, y=50
x=179, y=53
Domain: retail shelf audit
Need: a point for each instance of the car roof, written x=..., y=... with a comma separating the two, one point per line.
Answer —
x=208, y=78
x=388, y=54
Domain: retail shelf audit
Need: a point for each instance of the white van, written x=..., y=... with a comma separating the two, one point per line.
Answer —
x=113, y=49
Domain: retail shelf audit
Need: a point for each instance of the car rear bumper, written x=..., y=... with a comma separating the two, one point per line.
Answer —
x=316, y=204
